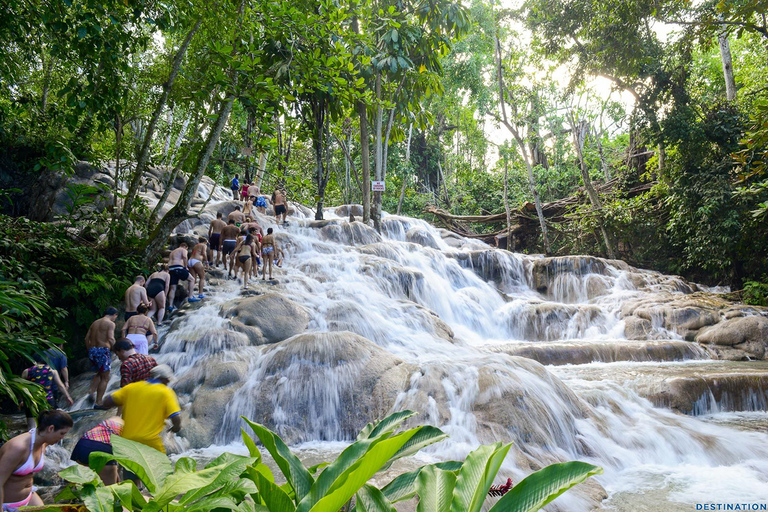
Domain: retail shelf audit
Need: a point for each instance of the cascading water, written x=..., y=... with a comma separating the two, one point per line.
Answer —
x=455, y=330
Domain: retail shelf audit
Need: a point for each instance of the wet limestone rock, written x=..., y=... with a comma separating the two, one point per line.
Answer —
x=636, y=328
x=748, y=334
x=293, y=395
x=211, y=389
x=267, y=318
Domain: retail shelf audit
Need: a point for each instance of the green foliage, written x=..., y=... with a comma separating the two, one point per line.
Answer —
x=235, y=482
x=76, y=279
x=756, y=292
x=23, y=333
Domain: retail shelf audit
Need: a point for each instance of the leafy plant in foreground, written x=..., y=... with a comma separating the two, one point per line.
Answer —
x=233, y=482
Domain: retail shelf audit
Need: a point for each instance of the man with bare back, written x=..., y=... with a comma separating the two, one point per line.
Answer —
x=98, y=342
x=196, y=266
x=236, y=216
x=279, y=204
x=228, y=243
x=135, y=294
x=214, y=239
x=177, y=268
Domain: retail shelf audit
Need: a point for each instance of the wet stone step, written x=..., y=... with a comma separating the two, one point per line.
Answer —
x=694, y=387
x=588, y=351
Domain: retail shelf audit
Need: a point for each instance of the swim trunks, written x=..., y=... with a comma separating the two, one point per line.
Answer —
x=228, y=246
x=214, y=241
x=155, y=286
x=267, y=250
x=140, y=342
x=261, y=202
x=280, y=209
x=101, y=359
x=178, y=273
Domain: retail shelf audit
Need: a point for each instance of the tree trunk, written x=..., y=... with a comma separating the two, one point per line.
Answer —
x=603, y=163
x=167, y=144
x=407, y=168
x=506, y=205
x=180, y=138
x=143, y=158
x=262, y=168
x=378, y=145
x=159, y=237
x=317, y=146
x=725, y=58
x=365, y=158
x=579, y=131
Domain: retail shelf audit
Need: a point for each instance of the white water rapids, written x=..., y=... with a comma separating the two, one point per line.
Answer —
x=476, y=387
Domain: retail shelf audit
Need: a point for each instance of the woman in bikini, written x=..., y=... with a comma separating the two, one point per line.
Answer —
x=268, y=247
x=244, y=191
x=136, y=329
x=248, y=208
x=24, y=455
x=245, y=256
x=195, y=264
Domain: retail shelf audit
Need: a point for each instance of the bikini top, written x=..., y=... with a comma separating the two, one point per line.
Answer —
x=29, y=466
x=144, y=326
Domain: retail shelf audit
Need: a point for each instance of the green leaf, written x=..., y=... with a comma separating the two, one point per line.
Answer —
x=543, y=486
x=354, y=477
x=403, y=487
x=250, y=444
x=186, y=465
x=293, y=470
x=82, y=475
x=426, y=436
x=476, y=477
x=390, y=423
x=371, y=499
x=128, y=495
x=151, y=466
x=435, y=489
x=98, y=499
x=228, y=472
x=182, y=483
x=272, y=494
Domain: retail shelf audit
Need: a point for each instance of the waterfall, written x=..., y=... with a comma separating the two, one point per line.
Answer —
x=487, y=345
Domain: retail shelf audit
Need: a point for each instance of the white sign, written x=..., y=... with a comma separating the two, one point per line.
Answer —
x=377, y=186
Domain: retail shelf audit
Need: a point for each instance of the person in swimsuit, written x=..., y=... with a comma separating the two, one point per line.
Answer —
x=260, y=202
x=135, y=294
x=247, y=208
x=98, y=342
x=196, y=267
x=177, y=268
x=246, y=254
x=237, y=216
x=99, y=439
x=136, y=329
x=257, y=247
x=214, y=239
x=24, y=455
x=268, y=247
x=157, y=290
x=48, y=378
x=244, y=191
x=228, y=244
x=278, y=201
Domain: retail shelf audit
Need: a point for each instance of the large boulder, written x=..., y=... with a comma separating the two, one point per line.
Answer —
x=266, y=318
x=211, y=387
x=748, y=334
x=324, y=385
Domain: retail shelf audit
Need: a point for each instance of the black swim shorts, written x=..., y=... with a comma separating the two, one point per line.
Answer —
x=178, y=273
x=280, y=209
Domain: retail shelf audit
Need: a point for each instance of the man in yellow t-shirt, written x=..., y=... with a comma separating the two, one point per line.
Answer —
x=146, y=405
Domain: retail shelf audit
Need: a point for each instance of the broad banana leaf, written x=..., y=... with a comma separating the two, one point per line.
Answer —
x=543, y=486
x=476, y=477
x=435, y=489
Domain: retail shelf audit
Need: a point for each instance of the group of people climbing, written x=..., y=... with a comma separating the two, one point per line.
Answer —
x=144, y=398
